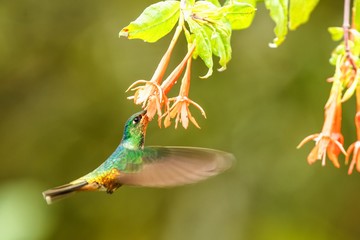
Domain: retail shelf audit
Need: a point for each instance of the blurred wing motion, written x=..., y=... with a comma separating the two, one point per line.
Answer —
x=174, y=166
x=159, y=167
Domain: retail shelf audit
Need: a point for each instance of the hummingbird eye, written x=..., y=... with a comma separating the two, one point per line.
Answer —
x=136, y=119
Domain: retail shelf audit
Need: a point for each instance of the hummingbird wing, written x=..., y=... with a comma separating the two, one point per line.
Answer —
x=173, y=166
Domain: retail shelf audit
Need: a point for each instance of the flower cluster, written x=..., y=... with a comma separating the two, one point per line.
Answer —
x=345, y=83
x=330, y=140
x=152, y=94
x=207, y=26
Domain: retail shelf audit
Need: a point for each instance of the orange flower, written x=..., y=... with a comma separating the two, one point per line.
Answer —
x=180, y=108
x=355, y=161
x=150, y=95
x=330, y=141
x=354, y=148
x=180, y=111
x=330, y=145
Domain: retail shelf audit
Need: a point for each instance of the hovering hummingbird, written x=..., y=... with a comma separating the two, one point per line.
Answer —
x=133, y=164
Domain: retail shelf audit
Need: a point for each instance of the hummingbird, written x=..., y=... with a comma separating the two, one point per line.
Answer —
x=134, y=164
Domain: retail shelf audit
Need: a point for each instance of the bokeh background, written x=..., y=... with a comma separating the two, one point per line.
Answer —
x=63, y=74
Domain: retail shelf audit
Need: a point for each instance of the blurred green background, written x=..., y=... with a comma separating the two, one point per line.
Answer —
x=63, y=74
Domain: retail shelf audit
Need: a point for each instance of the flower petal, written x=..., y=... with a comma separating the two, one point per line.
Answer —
x=167, y=121
x=313, y=155
x=184, y=115
x=334, y=159
x=348, y=153
x=192, y=119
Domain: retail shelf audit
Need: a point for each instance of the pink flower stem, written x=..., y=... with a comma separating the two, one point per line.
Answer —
x=357, y=116
x=174, y=76
x=185, y=83
x=331, y=110
x=346, y=27
x=161, y=68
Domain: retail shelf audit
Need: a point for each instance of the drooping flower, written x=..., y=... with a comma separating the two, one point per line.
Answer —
x=325, y=145
x=180, y=107
x=149, y=95
x=355, y=147
x=355, y=161
x=330, y=141
x=180, y=111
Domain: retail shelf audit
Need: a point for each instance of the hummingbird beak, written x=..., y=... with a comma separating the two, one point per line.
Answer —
x=144, y=122
x=144, y=119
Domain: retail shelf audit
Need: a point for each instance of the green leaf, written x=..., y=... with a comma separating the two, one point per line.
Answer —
x=338, y=51
x=190, y=2
x=155, y=22
x=351, y=90
x=355, y=50
x=337, y=33
x=356, y=9
x=240, y=15
x=220, y=43
x=251, y=2
x=279, y=14
x=218, y=48
x=211, y=30
x=300, y=11
x=206, y=12
x=215, y=2
x=203, y=45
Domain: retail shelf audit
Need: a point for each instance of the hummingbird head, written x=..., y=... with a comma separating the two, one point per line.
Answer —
x=135, y=130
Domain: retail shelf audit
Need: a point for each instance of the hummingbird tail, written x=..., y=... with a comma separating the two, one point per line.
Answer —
x=63, y=191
